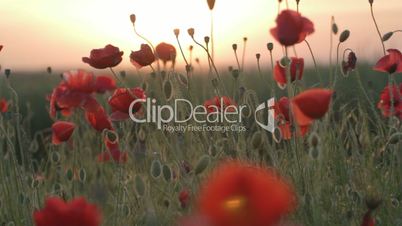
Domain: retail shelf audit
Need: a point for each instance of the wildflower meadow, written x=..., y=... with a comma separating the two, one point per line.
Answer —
x=181, y=140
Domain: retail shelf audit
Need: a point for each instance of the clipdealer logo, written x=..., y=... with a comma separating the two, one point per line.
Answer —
x=214, y=118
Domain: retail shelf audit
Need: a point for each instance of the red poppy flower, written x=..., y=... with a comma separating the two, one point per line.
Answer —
x=113, y=152
x=3, y=105
x=242, y=195
x=391, y=63
x=219, y=104
x=368, y=220
x=292, y=28
x=80, y=80
x=350, y=64
x=166, y=52
x=194, y=220
x=311, y=104
x=97, y=117
x=142, y=57
x=77, y=212
x=285, y=122
x=109, y=56
x=184, y=198
x=104, y=83
x=296, y=71
x=121, y=100
x=385, y=101
x=62, y=131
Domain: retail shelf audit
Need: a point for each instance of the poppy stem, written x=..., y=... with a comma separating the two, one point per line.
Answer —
x=237, y=60
x=378, y=30
x=212, y=62
x=336, y=66
x=150, y=43
x=212, y=36
x=122, y=82
x=331, y=43
x=314, y=61
x=244, y=54
x=272, y=72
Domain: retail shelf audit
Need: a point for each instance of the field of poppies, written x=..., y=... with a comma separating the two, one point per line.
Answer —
x=89, y=148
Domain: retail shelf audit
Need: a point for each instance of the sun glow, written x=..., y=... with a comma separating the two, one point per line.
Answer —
x=64, y=31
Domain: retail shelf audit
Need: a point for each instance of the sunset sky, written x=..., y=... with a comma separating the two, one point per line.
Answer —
x=56, y=33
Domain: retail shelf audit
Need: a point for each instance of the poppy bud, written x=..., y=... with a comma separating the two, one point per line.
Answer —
x=191, y=48
x=270, y=46
x=123, y=74
x=206, y=39
x=7, y=72
x=387, y=36
x=372, y=202
x=258, y=56
x=202, y=164
x=176, y=32
x=139, y=186
x=235, y=73
x=49, y=70
x=335, y=28
x=245, y=39
x=211, y=4
x=314, y=140
x=297, y=1
x=133, y=18
x=344, y=36
x=230, y=68
x=285, y=61
x=191, y=32
x=234, y=46
x=371, y=2
x=395, y=138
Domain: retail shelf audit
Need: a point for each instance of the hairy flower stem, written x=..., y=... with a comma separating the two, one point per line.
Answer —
x=237, y=60
x=272, y=72
x=212, y=36
x=18, y=123
x=243, y=56
x=187, y=64
x=315, y=62
x=150, y=44
x=331, y=43
x=376, y=26
x=212, y=63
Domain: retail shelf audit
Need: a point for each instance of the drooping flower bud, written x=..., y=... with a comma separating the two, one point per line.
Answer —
x=211, y=4
x=176, y=32
x=270, y=46
x=191, y=32
x=133, y=18
x=7, y=72
x=206, y=39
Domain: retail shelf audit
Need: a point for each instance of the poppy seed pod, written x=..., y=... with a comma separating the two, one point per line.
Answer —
x=234, y=46
x=371, y=2
x=344, y=36
x=191, y=48
x=373, y=201
x=133, y=18
x=270, y=46
x=191, y=32
x=211, y=4
x=235, y=73
x=230, y=68
x=258, y=56
x=176, y=32
x=245, y=39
